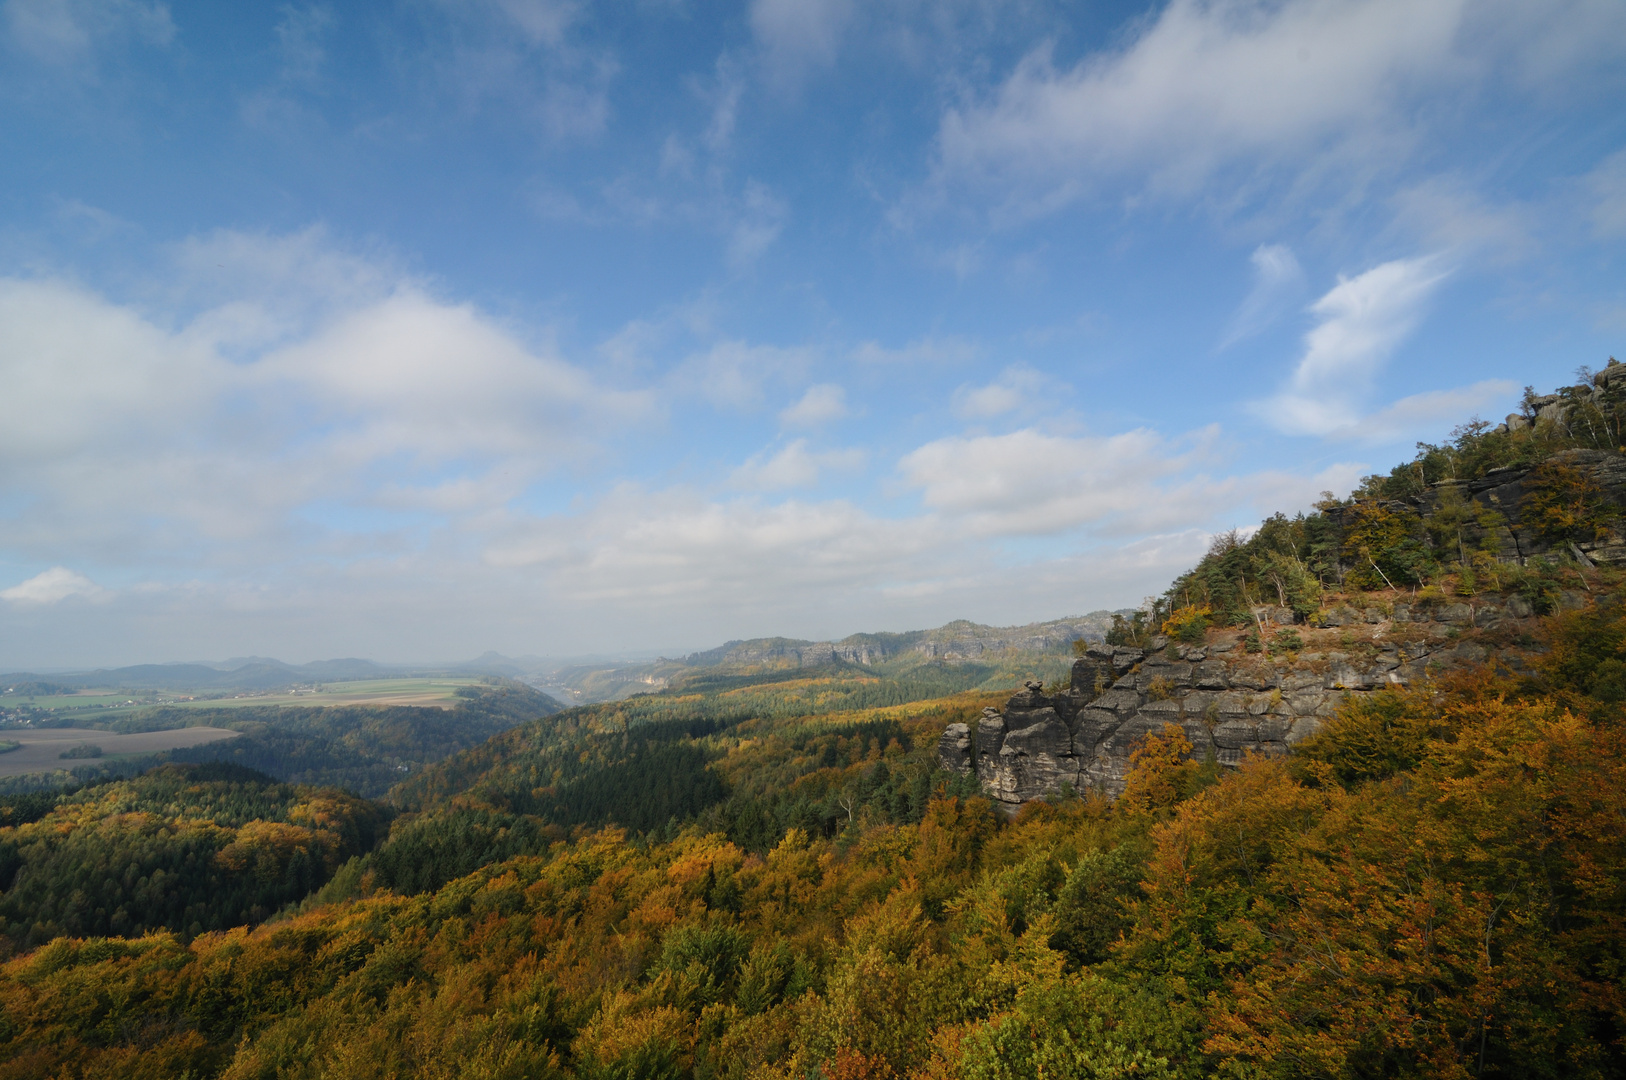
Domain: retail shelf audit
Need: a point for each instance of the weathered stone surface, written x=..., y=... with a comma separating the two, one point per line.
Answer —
x=954, y=750
x=1230, y=704
x=1124, y=659
x=1037, y=759
x=1118, y=700
x=1092, y=675
x=990, y=737
x=1176, y=673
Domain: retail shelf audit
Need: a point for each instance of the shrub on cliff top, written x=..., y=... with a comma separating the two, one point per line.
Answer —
x=1189, y=623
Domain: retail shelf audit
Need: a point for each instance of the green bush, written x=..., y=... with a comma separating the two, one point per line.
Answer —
x=1188, y=624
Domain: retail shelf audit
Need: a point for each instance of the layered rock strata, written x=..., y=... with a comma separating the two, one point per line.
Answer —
x=1229, y=703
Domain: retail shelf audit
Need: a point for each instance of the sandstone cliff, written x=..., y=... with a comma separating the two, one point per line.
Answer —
x=1545, y=488
x=1228, y=702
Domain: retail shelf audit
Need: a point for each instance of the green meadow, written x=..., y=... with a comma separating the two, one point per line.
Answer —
x=87, y=704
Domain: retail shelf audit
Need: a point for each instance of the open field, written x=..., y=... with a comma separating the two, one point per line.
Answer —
x=41, y=749
x=102, y=704
x=83, y=699
x=442, y=692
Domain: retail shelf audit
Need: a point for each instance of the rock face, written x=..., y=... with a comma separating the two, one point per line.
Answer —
x=1228, y=703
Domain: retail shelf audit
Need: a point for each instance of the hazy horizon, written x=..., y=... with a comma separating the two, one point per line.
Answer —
x=633, y=656
x=427, y=329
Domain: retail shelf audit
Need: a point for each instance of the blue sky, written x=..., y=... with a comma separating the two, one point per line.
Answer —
x=410, y=330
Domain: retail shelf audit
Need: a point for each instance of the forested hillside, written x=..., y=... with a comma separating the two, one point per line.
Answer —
x=189, y=848
x=773, y=877
x=364, y=749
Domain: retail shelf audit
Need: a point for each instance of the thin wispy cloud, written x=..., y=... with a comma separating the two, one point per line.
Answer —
x=1606, y=186
x=822, y=404
x=1360, y=323
x=794, y=465
x=1318, y=89
x=1017, y=387
x=1278, y=281
x=70, y=33
x=795, y=35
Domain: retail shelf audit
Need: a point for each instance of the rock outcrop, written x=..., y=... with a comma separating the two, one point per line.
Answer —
x=1560, y=409
x=1228, y=702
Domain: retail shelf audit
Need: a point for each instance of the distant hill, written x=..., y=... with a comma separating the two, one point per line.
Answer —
x=253, y=673
x=957, y=644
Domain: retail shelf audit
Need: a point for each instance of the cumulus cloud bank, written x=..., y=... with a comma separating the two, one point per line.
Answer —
x=136, y=439
x=315, y=438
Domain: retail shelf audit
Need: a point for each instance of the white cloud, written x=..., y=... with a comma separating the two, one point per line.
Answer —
x=90, y=224
x=733, y=374
x=795, y=35
x=541, y=22
x=412, y=375
x=1310, y=91
x=660, y=548
x=255, y=288
x=926, y=350
x=1607, y=187
x=758, y=220
x=1446, y=213
x=52, y=586
x=794, y=466
x=489, y=49
x=820, y=405
x=1209, y=83
x=723, y=96
x=1031, y=483
x=300, y=33
x=1277, y=282
x=1018, y=386
x=68, y=32
x=80, y=373
x=266, y=432
x=1138, y=484
x=1362, y=320
x=1555, y=47
x=1430, y=410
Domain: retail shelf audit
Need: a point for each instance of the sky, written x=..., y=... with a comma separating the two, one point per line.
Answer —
x=409, y=330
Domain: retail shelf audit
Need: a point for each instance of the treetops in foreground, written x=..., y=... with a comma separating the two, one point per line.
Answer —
x=1490, y=509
